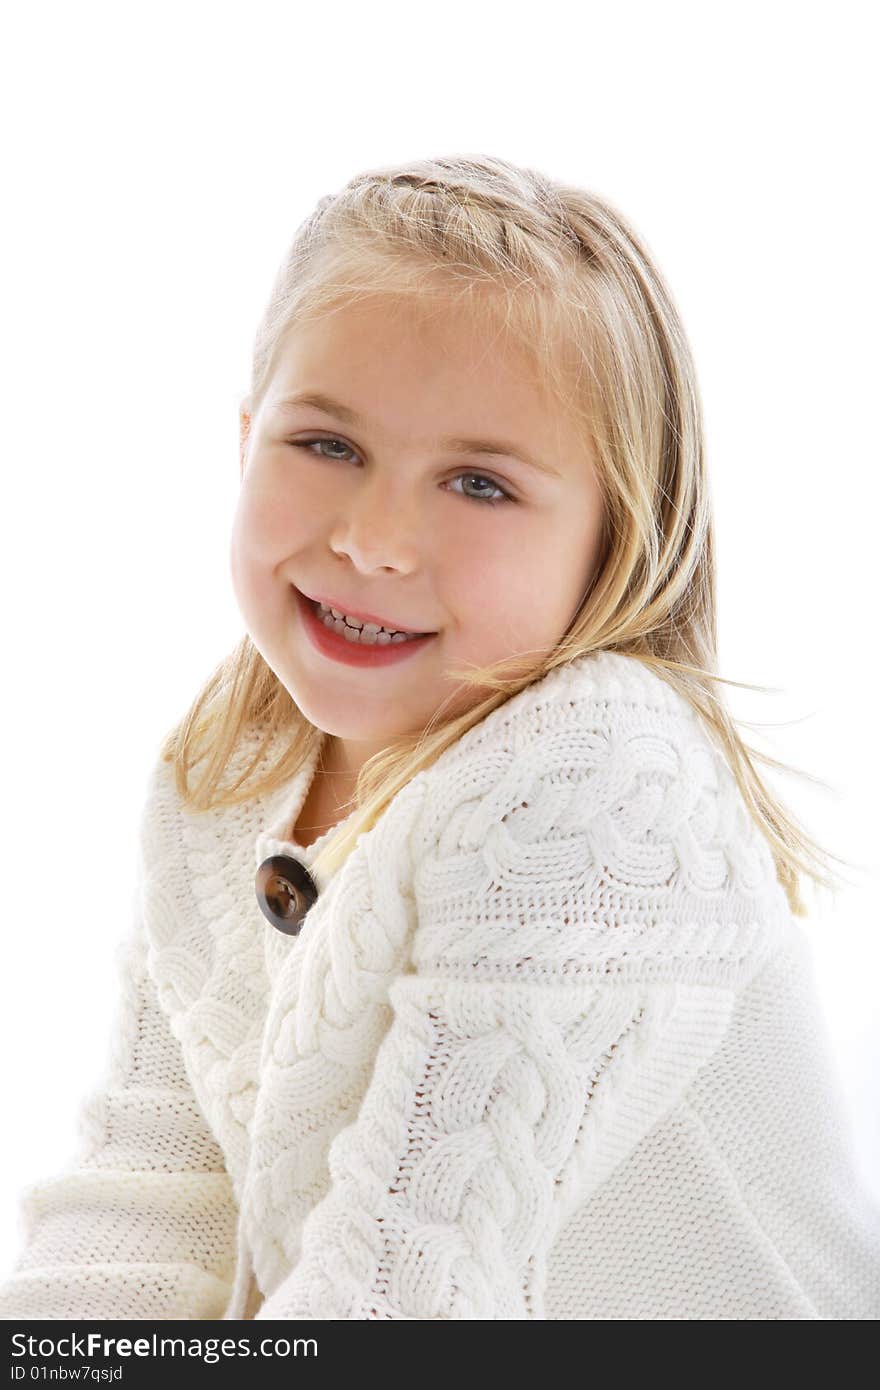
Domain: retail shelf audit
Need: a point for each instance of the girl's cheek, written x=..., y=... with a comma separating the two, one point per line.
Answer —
x=265, y=515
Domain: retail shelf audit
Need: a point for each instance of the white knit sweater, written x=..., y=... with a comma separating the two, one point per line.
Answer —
x=547, y=1046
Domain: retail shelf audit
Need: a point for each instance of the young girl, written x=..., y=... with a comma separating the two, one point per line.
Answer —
x=466, y=979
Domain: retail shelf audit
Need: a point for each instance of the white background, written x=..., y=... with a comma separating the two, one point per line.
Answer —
x=156, y=163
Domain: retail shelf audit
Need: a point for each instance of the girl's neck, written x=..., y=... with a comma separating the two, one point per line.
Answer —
x=327, y=802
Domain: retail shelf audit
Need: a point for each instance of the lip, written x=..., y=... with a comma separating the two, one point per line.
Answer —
x=329, y=643
x=363, y=617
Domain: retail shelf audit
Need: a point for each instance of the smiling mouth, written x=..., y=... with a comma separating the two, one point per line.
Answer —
x=337, y=619
x=357, y=633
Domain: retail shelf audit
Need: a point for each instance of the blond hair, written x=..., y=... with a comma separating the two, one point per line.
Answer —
x=560, y=271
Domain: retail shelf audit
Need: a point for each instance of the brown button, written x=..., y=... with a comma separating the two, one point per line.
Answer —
x=285, y=892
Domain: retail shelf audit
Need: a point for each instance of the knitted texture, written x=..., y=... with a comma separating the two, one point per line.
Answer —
x=547, y=1046
x=141, y=1223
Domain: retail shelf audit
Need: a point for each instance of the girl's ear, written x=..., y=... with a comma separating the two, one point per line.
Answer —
x=244, y=423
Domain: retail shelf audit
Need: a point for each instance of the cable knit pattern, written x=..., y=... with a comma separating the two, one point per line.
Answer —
x=328, y=1015
x=547, y=1046
x=494, y=1107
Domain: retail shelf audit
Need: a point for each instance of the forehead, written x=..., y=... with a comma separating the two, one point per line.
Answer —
x=423, y=360
x=465, y=333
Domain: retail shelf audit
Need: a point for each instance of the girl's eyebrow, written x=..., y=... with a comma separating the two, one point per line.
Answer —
x=319, y=400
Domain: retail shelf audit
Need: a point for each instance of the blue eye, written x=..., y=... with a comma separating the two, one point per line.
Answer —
x=489, y=501
x=307, y=444
x=472, y=497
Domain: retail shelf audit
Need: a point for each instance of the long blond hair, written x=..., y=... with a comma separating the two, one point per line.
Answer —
x=559, y=269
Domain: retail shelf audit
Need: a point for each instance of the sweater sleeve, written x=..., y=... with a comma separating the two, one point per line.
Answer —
x=141, y=1223
x=564, y=994
x=493, y=1108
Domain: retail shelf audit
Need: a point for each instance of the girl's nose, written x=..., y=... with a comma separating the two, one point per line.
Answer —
x=379, y=530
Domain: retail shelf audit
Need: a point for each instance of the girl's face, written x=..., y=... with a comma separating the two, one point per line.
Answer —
x=381, y=503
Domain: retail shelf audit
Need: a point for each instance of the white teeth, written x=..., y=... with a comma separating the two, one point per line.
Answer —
x=368, y=634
